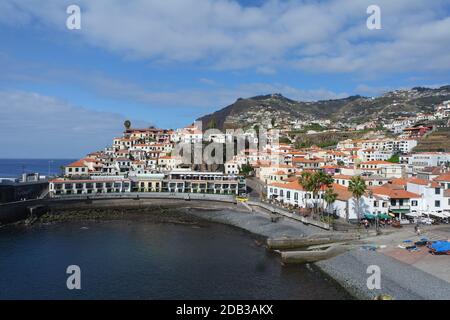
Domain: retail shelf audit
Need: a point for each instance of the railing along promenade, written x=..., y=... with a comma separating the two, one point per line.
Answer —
x=159, y=195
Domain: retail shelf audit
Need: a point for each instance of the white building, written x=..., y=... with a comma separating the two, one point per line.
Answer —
x=231, y=168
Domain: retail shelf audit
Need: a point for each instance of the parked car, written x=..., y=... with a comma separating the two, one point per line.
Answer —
x=424, y=220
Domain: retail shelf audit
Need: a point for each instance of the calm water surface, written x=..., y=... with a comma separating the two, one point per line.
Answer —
x=146, y=260
x=13, y=168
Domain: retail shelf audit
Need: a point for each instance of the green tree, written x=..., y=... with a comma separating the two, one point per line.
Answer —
x=323, y=181
x=245, y=169
x=284, y=140
x=306, y=181
x=357, y=187
x=256, y=128
x=314, y=183
x=394, y=159
x=330, y=197
x=212, y=124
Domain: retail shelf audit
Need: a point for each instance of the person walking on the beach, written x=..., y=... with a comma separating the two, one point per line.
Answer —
x=366, y=224
x=417, y=229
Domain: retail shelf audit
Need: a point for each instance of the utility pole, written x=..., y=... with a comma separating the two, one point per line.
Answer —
x=49, y=168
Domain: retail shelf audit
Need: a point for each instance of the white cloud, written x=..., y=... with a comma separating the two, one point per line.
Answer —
x=315, y=36
x=367, y=90
x=33, y=125
x=213, y=97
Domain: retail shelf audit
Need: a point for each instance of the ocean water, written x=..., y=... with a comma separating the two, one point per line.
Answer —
x=147, y=260
x=13, y=168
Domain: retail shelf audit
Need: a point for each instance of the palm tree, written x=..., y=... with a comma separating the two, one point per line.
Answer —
x=324, y=181
x=314, y=183
x=62, y=171
x=330, y=197
x=306, y=181
x=357, y=187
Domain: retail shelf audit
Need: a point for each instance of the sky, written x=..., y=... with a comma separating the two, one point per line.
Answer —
x=64, y=93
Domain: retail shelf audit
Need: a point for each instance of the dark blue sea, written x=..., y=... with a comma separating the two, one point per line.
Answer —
x=12, y=168
x=147, y=260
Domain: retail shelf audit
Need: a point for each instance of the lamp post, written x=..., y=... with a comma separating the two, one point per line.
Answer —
x=49, y=168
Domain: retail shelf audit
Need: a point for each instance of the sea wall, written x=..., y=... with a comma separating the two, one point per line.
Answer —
x=17, y=191
x=16, y=211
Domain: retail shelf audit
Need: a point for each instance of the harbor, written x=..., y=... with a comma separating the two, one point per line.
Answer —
x=289, y=238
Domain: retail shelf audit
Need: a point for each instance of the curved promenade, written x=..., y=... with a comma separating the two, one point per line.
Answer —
x=16, y=211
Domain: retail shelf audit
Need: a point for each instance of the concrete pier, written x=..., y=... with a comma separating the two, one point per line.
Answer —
x=309, y=256
x=315, y=239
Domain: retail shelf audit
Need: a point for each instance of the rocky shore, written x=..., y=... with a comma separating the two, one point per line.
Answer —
x=149, y=214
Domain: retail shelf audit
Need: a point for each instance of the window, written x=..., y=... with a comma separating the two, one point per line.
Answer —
x=375, y=203
x=437, y=190
x=437, y=203
x=281, y=192
x=288, y=194
x=296, y=196
x=414, y=203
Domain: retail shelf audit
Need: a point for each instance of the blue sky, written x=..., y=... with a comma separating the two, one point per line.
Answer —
x=168, y=62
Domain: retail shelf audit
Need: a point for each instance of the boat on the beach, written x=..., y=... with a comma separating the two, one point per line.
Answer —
x=440, y=247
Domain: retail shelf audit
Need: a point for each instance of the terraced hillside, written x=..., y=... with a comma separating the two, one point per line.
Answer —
x=437, y=141
x=245, y=113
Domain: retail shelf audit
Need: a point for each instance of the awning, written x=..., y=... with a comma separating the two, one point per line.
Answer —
x=413, y=214
x=384, y=216
x=438, y=214
x=370, y=216
x=400, y=210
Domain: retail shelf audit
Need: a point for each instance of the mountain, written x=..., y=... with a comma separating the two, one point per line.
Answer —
x=246, y=113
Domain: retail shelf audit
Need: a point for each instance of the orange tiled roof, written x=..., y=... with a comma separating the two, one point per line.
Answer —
x=294, y=185
x=394, y=193
x=79, y=163
x=443, y=177
x=377, y=162
x=342, y=192
x=419, y=181
x=399, y=181
x=342, y=176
